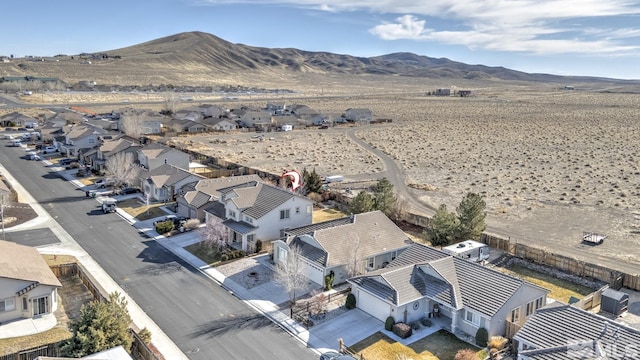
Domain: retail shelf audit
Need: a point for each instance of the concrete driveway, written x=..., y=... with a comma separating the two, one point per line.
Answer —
x=352, y=326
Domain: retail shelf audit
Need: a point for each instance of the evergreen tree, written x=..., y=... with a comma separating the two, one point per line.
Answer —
x=363, y=202
x=313, y=182
x=384, y=198
x=101, y=326
x=442, y=228
x=471, y=214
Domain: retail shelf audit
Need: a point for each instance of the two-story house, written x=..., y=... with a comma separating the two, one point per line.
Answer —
x=196, y=197
x=109, y=148
x=165, y=182
x=257, y=211
x=80, y=138
x=256, y=118
x=425, y=282
x=155, y=154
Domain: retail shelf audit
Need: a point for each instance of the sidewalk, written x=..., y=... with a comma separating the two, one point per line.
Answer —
x=69, y=246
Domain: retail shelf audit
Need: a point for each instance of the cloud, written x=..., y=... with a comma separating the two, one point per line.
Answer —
x=533, y=26
x=408, y=27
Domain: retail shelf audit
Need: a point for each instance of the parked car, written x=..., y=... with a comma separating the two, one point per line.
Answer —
x=32, y=155
x=177, y=220
x=103, y=183
x=49, y=149
x=128, y=190
x=65, y=161
x=334, y=355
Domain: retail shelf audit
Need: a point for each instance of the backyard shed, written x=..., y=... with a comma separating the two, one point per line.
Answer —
x=614, y=302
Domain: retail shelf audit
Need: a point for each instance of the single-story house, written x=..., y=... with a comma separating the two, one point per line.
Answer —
x=347, y=246
x=18, y=119
x=257, y=211
x=220, y=124
x=28, y=287
x=423, y=282
x=359, y=115
x=560, y=331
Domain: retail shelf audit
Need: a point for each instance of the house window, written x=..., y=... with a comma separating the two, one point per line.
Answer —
x=370, y=263
x=40, y=305
x=251, y=237
x=530, y=309
x=297, y=209
x=232, y=214
x=309, y=209
x=539, y=302
x=7, y=305
x=248, y=219
x=25, y=304
x=472, y=317
x=284, y=214
x=515, y=315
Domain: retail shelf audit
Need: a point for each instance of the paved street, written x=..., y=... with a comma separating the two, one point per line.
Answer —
x=203, y=320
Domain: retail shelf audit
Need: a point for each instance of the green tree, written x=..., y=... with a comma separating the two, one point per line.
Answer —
x=384, y=198
x=442, y=228
x=471, y=214
x=312, y=181
x=363, y=202
x=100, y=326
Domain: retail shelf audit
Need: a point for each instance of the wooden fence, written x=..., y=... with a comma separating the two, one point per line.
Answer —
x=592, y=300
x=139, y=350
x=510, y=329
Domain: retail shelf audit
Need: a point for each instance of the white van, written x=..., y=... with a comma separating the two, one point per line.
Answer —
x=15, y=143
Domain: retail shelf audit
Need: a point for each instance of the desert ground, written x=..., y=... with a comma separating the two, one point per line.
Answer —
x=550, y=163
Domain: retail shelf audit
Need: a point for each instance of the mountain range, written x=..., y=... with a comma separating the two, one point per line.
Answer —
x=197, y=57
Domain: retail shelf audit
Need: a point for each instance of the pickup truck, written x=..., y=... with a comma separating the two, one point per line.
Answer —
x=109, y=205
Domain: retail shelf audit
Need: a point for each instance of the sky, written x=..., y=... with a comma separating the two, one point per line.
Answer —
x=562, y=37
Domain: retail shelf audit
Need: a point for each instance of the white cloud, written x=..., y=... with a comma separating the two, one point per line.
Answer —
x=534, y=26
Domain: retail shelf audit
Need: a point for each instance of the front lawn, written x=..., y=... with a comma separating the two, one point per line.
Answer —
x=561, y=290
x=441, y=345
x=139, y=210
x=204, y=252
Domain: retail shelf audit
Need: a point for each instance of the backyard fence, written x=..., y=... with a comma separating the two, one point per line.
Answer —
x=139, y=349
x=592, y=300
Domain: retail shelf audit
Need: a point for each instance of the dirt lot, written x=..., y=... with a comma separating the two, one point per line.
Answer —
x=550, y=163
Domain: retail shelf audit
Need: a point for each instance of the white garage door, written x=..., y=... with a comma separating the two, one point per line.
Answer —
x=314, y=273
x=373, y=306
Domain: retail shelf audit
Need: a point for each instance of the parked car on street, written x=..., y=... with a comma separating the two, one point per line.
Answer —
x=32, y=155
x=49, y=149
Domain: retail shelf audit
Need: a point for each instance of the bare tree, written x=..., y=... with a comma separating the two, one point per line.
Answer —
x=214, y=236
x=133, y=125
x=122, y=168
x=170, y=100
x=399, y=211
x=354, y=266
x=290, y=273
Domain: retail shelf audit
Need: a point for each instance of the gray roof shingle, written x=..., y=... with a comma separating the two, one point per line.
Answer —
x=552, y=328
x=257, y=199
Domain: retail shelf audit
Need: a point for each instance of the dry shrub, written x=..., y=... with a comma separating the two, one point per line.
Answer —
x=466, y=354
x=497, y=342
x=315, y=197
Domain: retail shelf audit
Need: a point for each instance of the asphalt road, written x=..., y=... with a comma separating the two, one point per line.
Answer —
x=204, y=320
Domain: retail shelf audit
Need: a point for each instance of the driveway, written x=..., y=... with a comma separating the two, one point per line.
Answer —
x=352, y=326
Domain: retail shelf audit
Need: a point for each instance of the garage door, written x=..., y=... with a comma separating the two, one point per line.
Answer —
x=314, y=273
x=373, y=306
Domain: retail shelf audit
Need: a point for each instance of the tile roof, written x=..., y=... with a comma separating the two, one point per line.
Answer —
x=213, y=186
x=455, y=281
x=197, y=199
x=154, y=150
x=167, y=175
x=554, y=327
x=239, y=226
x=25, y=263
x=257, y=199
x=310, y=229
x=373, y=232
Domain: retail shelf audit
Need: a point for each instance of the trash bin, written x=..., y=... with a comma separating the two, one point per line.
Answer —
x=86, y=193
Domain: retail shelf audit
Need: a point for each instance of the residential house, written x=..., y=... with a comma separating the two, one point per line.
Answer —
x=197, y=196
x=558, y=332
x=345, y=246
x=358, y=115
x=220, y=124
x=208, y=111
x=256, y=118
x=155, y=154
x=49, y=131
x=257, y=211
x=165, y=182
x=424, y=282
x=80, y=138
x=190, y=126
x=110, y=148
x=28, y=287
x=18, y=119
x=194, y=116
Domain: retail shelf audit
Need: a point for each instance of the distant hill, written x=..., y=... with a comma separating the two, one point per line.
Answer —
x=196, y=56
